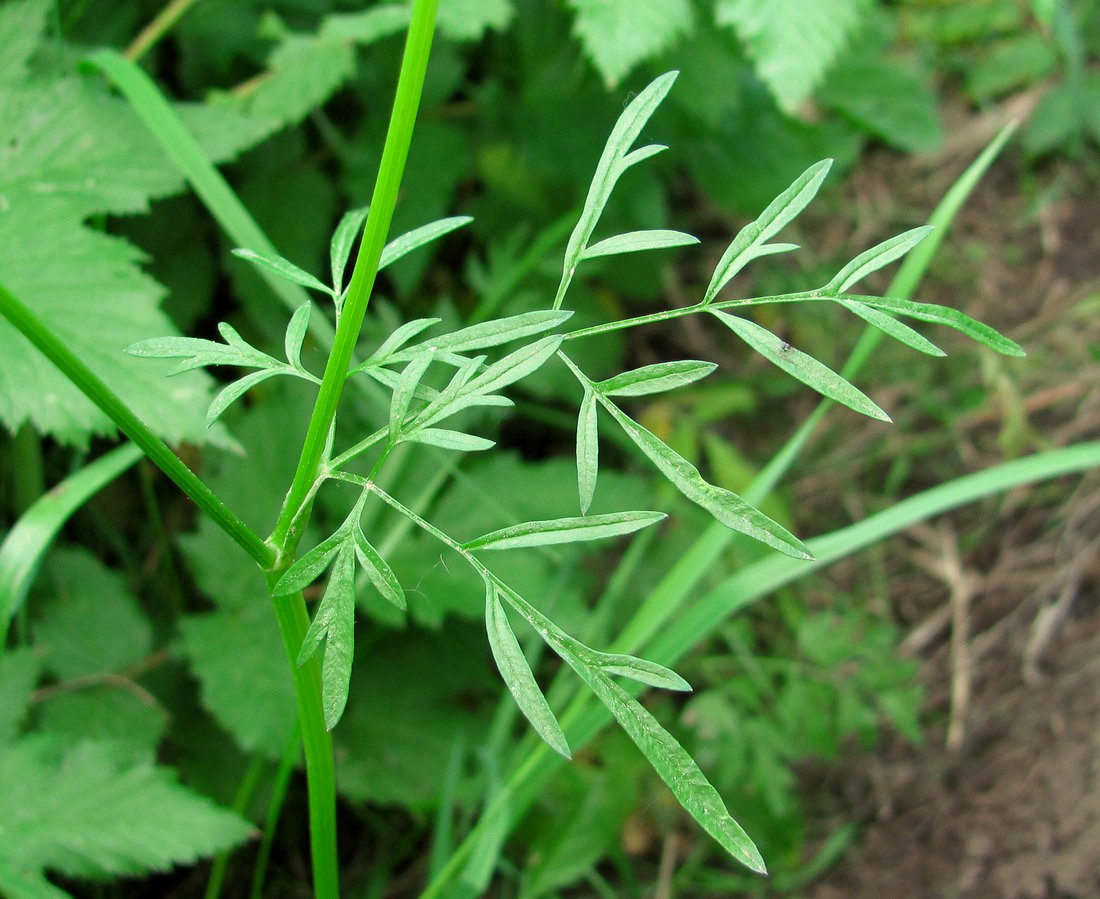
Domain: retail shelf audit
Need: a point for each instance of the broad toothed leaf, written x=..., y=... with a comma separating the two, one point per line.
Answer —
x=655, y=378
x=801, y=366
x=517, y=674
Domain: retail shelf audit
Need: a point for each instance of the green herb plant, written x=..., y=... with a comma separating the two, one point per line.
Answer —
x=477, y=370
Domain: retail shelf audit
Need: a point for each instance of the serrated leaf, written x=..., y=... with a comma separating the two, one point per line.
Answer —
x=945, y=315
x=310, y=566
x=588, y=450
x=296, y=334
x=613, y=162
x=750, y=243
x=800, y=365
x=565, y=530
x=619, y=34
x=892, y=327
x=639, y=241
x=655, y=378
x=21, y=26
x=675, y=767
x=19, y=669
x=452, y=440
x=468, y=20
x=334, y=624
x=79, y=810
x=490, y=334
x=343, y=238
x=379, y=572
x=641, y=670
x=875, y=258
x=792, y=44
x=283, y=268
x=726, y=507
x=405, y=390
x=518, y=676
x=233, y=392
x=418, y=237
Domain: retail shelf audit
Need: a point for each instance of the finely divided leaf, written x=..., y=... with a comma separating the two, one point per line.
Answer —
x=277, y=265
x=379, y=572
x=342, y=240
x=310, y=566
x=945, y=315
x=296, y=335
x=492, y=333
x=801, y=366
x=641, y=670
x=405, y=390
x=233, y=392
x=639, y=241
x=418, y=237
x=726, y=507
x=676, y=768
x=750, y=243
x=588, y=450
x=565, y=530
x=892, y=327
x=197, y=353
x=517, y=673
x=875, y=258
x=334, y=623
x=613, y=162
x=395, y=341
x=655, y=378
x=452, y=440
x=515, y=366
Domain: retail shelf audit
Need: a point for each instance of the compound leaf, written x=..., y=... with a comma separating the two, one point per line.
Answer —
x=565, y=530
x=296, y=335
x=517, y=674
x=875, y=258
x=283, y=268
x=945, y=315
x=800, y=365
x=491, y=333
x=639, y=241
x=343, y=238
x=588, y=449
x=379, y=572
x=890, y=326
x=452, y=440
x=655, y=378
x=334, y=624
x=641, y=670
x=726, y=507
x=750, y=243
x=310, y=566
x=418, y=237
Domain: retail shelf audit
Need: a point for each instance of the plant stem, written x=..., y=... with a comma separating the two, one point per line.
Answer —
x=316, y=741
x=156, y=29
x=410, y=84
x=271, y=822
x=133, y=427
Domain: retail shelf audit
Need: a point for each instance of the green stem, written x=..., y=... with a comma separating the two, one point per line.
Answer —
x=316, y=741
x=133, y=427
x=243, y=799
x=156, y=29
x=409, y=88
x=29, y=482
x=274, y=810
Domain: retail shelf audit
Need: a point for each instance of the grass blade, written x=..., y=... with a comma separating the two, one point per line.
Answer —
x=801, y=366
x=565, y=530
x=27, y=542
x=517, y=674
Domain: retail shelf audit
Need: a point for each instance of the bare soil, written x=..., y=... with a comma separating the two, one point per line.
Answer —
x=1000, y=603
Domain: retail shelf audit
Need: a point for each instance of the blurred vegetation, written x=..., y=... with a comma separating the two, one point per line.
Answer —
x=151, y=643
